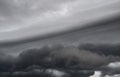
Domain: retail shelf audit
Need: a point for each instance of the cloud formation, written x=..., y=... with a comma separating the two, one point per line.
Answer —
x=42, y=17
x=72, y=60
x=114, y=65
x=110, y=70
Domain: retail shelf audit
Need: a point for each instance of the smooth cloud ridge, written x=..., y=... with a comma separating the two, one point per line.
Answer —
x=41, y=17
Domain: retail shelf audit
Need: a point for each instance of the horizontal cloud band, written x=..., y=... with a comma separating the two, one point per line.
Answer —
x=27, y=19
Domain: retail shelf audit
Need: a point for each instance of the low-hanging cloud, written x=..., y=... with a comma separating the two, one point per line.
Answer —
x=110, y=70
x=105, y=49
x=72, y=60
x=66, y=57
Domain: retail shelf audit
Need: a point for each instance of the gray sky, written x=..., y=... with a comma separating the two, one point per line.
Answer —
x=30, y=19
x=24, y=19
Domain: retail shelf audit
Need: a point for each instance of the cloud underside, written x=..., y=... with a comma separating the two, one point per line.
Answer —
x=60, y=60
x=42, y=17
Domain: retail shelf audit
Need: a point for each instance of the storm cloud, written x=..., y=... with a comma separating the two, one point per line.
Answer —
x=110, y=70
x=68, y=60
x=44, y=17
x=59, y=38
x=66, y=57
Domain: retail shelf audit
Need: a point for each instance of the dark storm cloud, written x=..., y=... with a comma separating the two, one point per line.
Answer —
x=67, y=59
x=105, y=49
x=27, y=23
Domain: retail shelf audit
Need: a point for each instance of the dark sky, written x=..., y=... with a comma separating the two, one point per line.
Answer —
x=27, y=24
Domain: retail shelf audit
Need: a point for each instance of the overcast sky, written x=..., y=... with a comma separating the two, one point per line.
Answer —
x=24, y=19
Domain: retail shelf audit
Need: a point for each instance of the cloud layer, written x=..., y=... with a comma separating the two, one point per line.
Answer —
x=41, y=17
x=72, y=60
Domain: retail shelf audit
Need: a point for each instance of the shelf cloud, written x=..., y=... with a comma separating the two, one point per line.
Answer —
x=30, y=18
